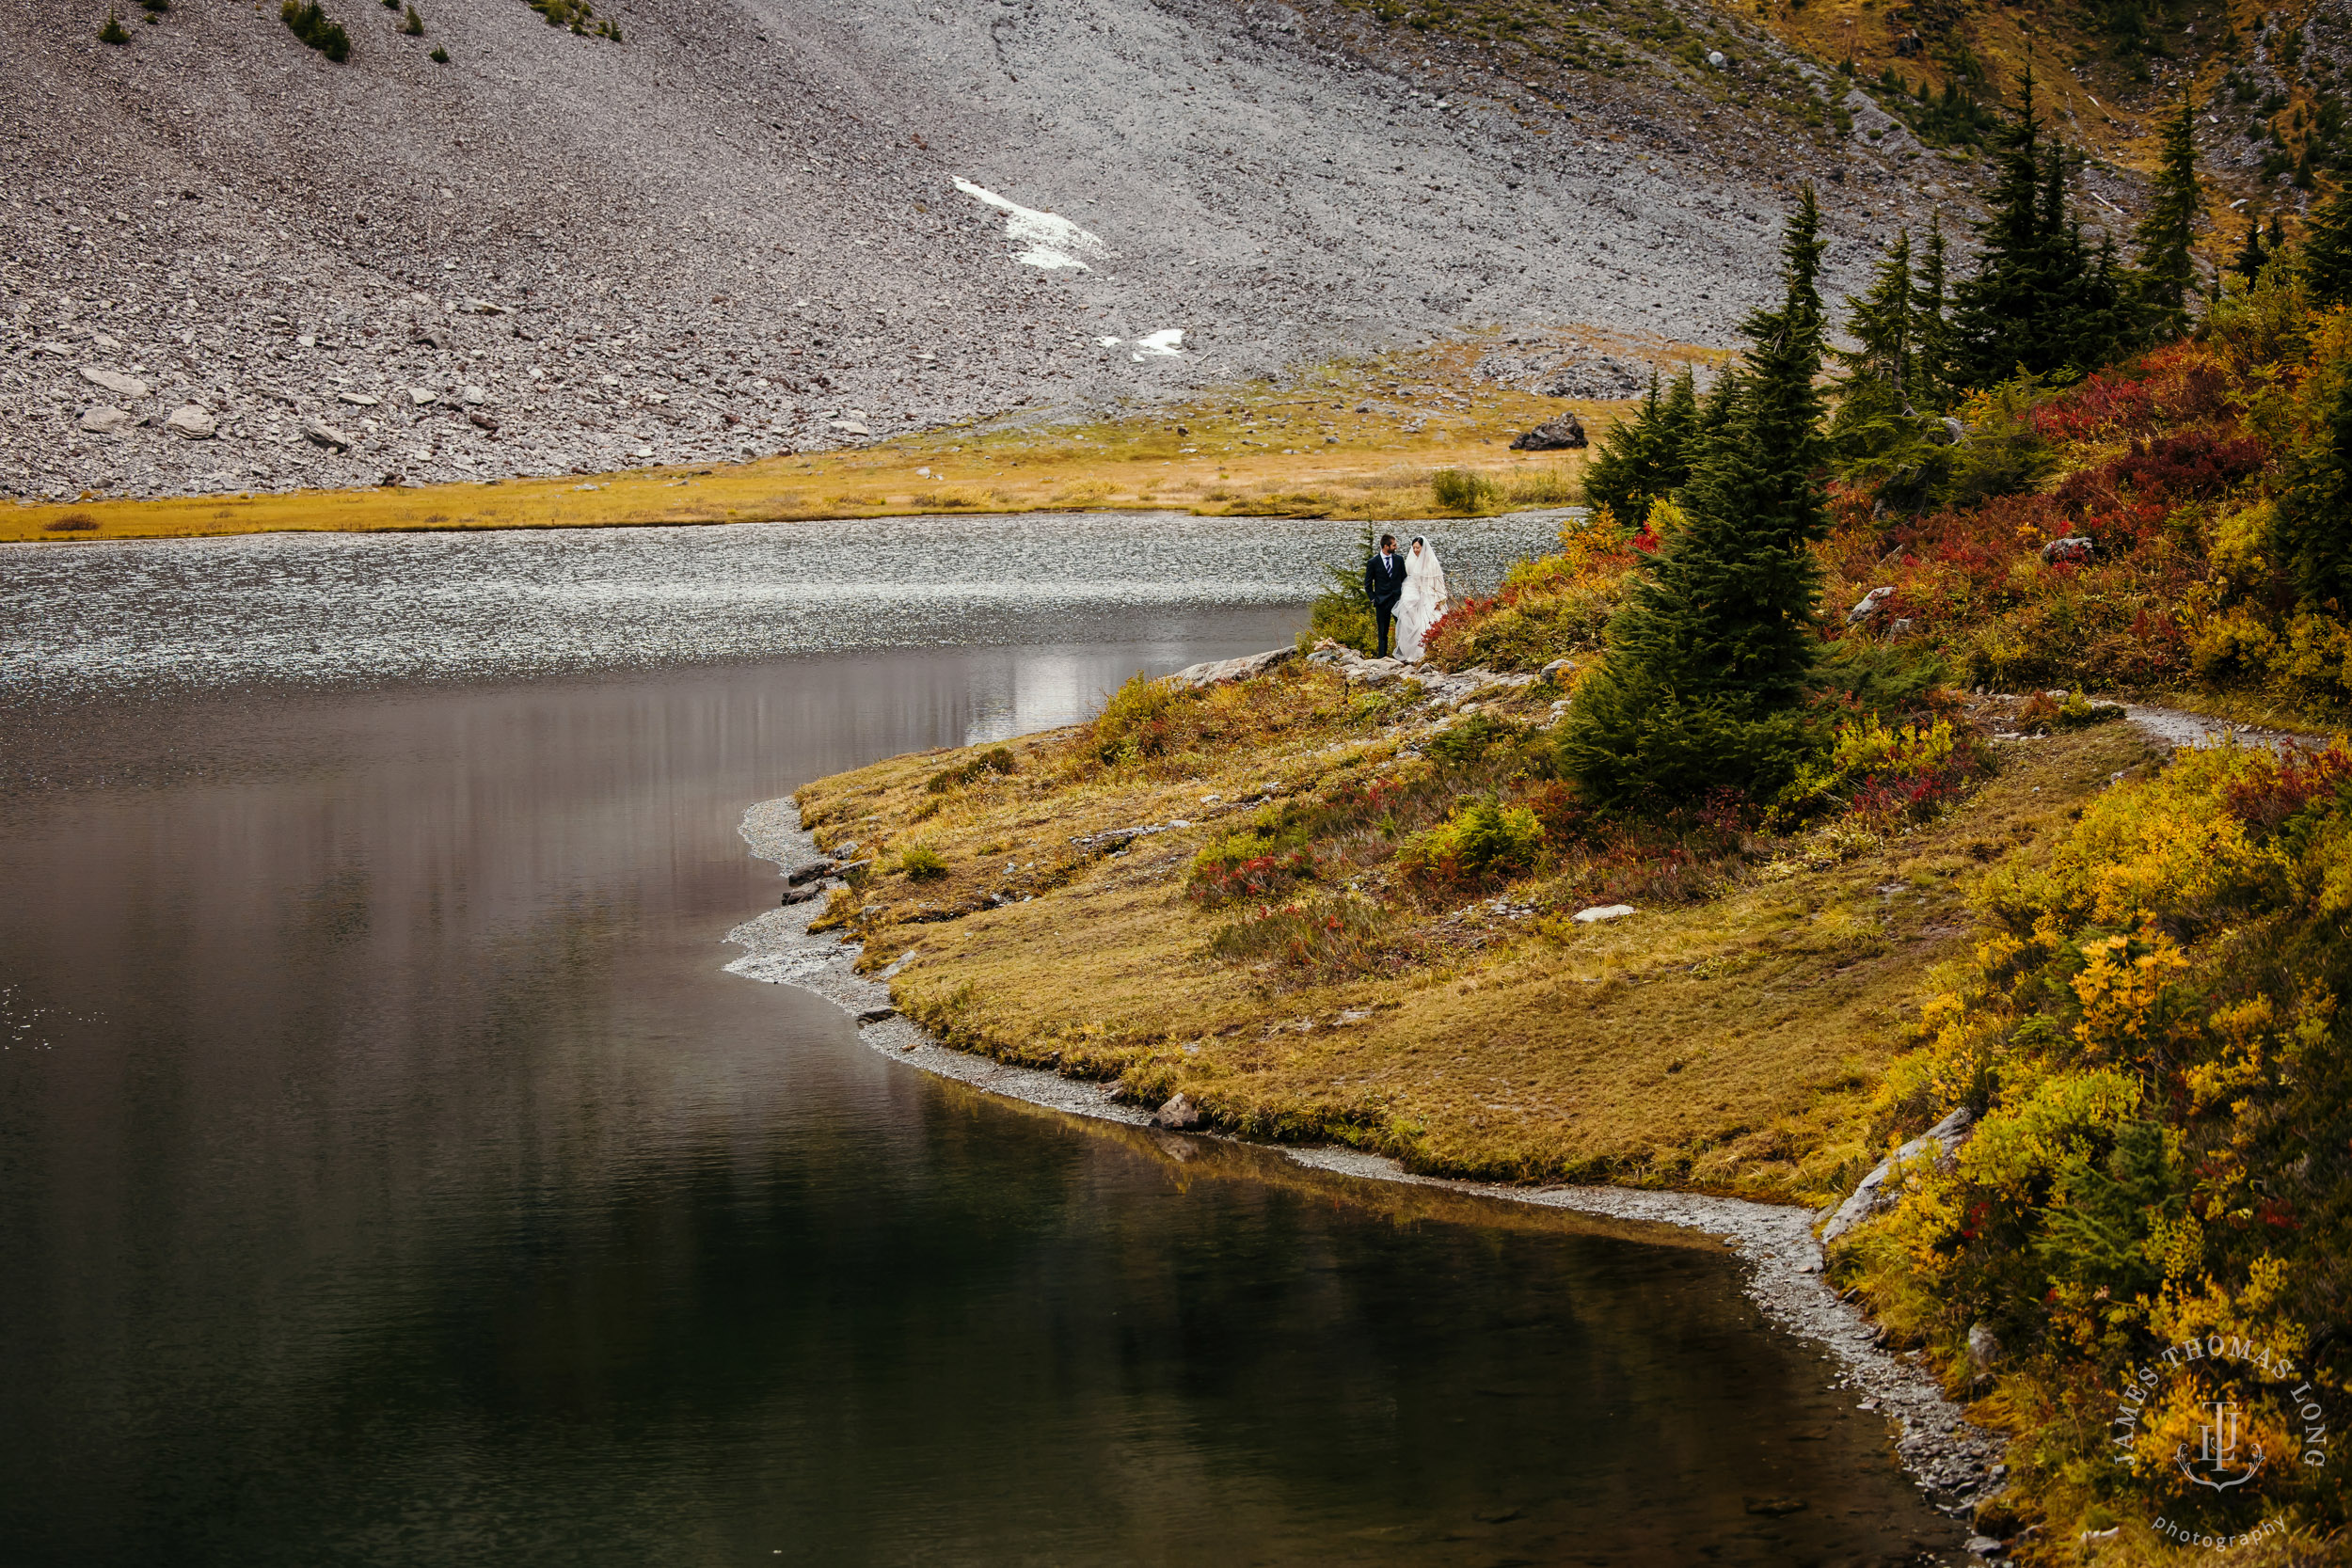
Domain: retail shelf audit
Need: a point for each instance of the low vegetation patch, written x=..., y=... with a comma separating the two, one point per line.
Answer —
x=308, y=20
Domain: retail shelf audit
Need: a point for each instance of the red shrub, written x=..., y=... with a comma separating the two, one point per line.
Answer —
x=2266, y=802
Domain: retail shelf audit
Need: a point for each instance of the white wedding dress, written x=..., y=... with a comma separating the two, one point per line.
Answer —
x=1424, y=602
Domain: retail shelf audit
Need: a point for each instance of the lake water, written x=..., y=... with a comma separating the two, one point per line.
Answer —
x=390, y=1173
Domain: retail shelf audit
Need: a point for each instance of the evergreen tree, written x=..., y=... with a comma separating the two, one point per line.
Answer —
x=1711, y=654
x=2250, y=253
x=2327, y=251
x=1644, y=458
x=2040, y=301
x=1876, y=427
x=1677, y=423
x=2167, y=273
x=2315, y=511
x=1931, y=327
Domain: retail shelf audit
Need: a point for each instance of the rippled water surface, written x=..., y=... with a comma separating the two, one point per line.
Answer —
x=343, y=606
x=390, y=1172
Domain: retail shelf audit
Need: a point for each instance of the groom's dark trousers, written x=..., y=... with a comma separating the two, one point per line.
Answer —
x=1383, y=583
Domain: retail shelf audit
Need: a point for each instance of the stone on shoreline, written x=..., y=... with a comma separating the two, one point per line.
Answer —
x=1241, y=669
x=1179, y=1113
x=1870, y=1195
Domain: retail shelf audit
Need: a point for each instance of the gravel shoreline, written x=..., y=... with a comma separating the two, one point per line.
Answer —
x=1954, y=1461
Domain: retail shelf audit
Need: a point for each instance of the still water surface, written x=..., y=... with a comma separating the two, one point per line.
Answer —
x=391, y=1174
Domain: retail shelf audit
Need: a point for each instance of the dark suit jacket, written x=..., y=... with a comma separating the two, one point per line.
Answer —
x=1384, y=577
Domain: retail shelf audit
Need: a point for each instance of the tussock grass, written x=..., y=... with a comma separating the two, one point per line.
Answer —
x=1729, y=1042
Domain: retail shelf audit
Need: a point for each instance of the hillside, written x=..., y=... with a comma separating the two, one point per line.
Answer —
x=738, y=230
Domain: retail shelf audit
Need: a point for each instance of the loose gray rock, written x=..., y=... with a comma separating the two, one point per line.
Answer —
x=1984, y=1347
x=1240, y=669
x=115, y=382
x=1556, y=669
x=1561, y=432
x=192, y=421
x=1870, y=1195
x=1179, y=1113
x=2074, y=546
x=1599, y=912
x=808, y=871
x=801, y=894
x=1869, y=606
x=327, y=435
x=359, y=400
x=103, y=421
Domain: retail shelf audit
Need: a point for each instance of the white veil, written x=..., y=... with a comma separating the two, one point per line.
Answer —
x=1424, y=602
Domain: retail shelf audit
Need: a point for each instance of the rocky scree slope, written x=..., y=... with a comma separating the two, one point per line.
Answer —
x=234, y=264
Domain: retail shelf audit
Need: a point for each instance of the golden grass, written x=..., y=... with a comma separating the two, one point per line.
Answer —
x=1728, y=1046
x=1299, y=449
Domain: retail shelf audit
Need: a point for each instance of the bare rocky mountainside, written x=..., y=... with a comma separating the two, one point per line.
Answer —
x=233, y=262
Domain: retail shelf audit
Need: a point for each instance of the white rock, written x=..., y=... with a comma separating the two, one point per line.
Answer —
x=192, y=421
x=61, y=350
x=320, y=434
x=1870, y=1194
x=421, y=395
x=114, y=381
x=360, y=399
x=103, y=421
x=1599, y=912
x=473, y=397
x=308, y=340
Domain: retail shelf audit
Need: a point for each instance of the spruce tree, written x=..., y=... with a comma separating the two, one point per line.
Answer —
x=1931, y=327
x=2250, y=253
x=1876, y=426
x=2167, y=273
x=2039, y=300
x=2315, y=511
x=1646, y=457
x=2327, y=252
x=1711, y=654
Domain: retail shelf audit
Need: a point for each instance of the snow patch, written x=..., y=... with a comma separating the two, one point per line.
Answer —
x=1048, y=239
x=1167, y=344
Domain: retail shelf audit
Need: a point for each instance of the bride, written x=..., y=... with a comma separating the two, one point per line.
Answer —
x=1424, y=602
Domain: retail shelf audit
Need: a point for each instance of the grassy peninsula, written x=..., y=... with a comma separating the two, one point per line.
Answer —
x=1779, y=817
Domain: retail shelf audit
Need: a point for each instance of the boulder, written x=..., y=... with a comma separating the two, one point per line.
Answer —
x=115, y=382
x=1559, y=669
x=1870, y=1195
x=1869, y=606
x=1947, y=432
x=1715, y=58
x=2074, y=546
x=103, y=421
x=323, y=435
x=877, y=1015
x=1599, y=912
x=801, y=894
x=472, y=396
x=193, y=421
x=808, y=871
x=1561, y=432
x=1241, y=669
x=1984, y=1347
x=1179, y=1113
x=482, y=421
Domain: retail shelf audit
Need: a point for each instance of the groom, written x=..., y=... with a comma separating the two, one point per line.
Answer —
x=1384, y=582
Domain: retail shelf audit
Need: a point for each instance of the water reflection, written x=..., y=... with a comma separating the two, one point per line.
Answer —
x=391, y=1174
